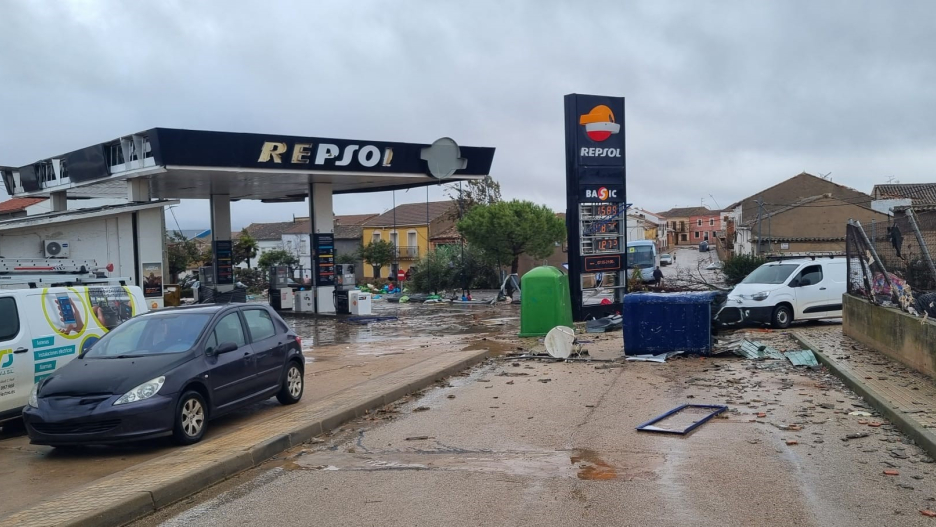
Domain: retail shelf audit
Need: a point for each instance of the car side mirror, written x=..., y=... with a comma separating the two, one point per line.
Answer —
x=225, y=347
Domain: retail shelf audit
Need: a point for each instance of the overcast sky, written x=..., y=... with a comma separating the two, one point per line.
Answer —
x=723, y=98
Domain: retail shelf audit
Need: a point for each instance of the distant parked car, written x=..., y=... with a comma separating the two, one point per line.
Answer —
x=703, y=247
x=666, y=259
x=167, y=373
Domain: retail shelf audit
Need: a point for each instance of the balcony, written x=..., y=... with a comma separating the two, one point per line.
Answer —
x=404, y=252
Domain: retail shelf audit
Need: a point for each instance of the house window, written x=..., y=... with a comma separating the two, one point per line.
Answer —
x=376, y=237
x=674, y=225
x=697, y=235
x=700, y=222
x=411, y=239
x=303, y=247
x=394, y=237
x=711, y=222
x=683, y=238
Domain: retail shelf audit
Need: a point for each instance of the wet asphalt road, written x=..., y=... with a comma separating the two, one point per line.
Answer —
x=554, y=444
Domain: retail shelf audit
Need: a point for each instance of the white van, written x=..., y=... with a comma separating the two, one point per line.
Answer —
x=777, y=293
x=42, y=329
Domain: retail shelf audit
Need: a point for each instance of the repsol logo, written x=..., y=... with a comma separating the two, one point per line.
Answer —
x=600, y=152
x=325, y=153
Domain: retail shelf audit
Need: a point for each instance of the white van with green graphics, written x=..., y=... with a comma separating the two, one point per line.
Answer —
x=43, y=328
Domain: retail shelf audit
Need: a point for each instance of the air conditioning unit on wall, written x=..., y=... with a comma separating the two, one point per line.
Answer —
x=55, y=248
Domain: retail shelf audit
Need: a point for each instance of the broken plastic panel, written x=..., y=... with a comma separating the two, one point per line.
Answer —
x=682, y=419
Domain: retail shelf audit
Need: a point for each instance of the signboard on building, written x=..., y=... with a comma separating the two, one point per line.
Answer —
x=595, y=200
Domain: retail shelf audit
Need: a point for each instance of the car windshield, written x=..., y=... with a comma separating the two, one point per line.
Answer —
x=151, y=335
x=640, y=256
x=770, y=274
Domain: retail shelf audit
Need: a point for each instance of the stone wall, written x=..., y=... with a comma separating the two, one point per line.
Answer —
x=892, y=332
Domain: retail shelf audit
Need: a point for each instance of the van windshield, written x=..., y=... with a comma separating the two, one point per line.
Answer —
x=150, y=335
x=770, y=274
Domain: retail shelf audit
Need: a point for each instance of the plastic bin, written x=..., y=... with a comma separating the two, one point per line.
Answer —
x=545, y=302
x=657, y=323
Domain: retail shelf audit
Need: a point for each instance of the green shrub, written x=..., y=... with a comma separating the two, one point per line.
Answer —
x=737, y=267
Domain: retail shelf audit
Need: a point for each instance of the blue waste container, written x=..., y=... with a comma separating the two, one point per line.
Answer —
x=657, y=323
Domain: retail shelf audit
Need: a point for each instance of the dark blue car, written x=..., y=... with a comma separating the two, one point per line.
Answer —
x=167, y=373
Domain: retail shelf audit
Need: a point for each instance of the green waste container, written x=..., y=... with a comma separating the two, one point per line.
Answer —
x=544, y=301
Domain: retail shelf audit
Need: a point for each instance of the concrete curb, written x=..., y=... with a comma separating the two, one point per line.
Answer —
x=110, y=503
x=921, y=436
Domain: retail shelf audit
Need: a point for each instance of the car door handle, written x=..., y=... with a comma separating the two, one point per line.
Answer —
x=20, y=350
x=822, y=289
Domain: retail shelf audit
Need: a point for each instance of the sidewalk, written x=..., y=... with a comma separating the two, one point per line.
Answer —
x=902, y=395
x=139, y=490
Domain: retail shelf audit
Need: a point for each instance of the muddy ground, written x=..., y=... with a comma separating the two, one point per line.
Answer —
x=517, y=442
x=339, y=354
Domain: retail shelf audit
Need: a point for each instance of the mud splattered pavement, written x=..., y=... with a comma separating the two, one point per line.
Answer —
x=339, y=355
x=524, y=442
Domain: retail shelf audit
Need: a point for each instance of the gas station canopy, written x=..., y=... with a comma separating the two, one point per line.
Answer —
x=194, y=164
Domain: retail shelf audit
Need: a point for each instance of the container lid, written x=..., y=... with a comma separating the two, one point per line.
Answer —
x=559, y=342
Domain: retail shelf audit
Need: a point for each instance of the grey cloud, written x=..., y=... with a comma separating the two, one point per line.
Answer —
x=723, y=98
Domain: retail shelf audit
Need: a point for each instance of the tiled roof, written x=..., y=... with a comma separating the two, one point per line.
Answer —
x=269, y=231
x=410, y=214
x=450, y=233
x=18, y=204
x=350, y=220
x=685, y=212
x=920, y=193
x=353, y=219
x=348, y=232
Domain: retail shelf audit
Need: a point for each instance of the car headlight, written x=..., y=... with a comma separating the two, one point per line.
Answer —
x=760, y=296
x=34, y=396
x=142, y=392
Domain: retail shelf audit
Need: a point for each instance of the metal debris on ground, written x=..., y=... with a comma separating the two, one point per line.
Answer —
x=601, y=325
x=679, y=415
x=653, y=358
x=802, y=358
x=757, y=351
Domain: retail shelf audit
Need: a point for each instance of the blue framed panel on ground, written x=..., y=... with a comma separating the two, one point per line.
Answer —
x=595, y=203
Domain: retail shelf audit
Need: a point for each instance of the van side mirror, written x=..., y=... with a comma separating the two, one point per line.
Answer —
x=225, y=347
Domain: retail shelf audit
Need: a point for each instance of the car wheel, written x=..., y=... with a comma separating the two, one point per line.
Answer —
x=190, y=419
x=293, y=385
x=782, y=316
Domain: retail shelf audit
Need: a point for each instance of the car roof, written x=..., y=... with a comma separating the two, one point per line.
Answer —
x=800, y=261
x=204, y=308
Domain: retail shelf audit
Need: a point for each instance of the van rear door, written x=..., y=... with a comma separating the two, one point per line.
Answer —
x=16, y=360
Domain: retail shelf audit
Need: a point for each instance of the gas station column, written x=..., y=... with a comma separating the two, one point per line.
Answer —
x=321, y=217
x=221, y=241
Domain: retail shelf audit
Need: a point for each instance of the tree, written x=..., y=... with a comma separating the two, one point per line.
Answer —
x=181, y=253
x=347, y=258
x=276, y=257
x=737, y=267
x=470, y=194
x=377, y=254
x=507, y=229
x=245, y=248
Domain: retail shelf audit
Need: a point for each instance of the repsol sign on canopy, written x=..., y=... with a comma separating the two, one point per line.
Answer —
x=175, y=147
x=595, y=129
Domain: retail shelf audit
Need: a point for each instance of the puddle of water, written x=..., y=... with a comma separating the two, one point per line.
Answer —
x=591, y=467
